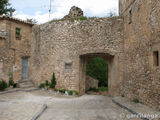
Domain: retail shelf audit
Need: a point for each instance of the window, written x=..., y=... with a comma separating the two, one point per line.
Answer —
x=130, y=17
x=18, y=33
x=68, y=66
x=156, y=58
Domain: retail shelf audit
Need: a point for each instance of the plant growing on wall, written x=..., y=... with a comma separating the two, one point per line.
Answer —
x=32, y=20
x=53, y=81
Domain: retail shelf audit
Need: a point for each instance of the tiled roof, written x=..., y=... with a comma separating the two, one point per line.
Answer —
x=14, y=19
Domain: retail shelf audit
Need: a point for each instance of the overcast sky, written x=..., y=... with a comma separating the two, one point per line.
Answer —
x=39, y=9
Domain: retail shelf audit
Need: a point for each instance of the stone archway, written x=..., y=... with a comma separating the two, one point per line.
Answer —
x=113, y=73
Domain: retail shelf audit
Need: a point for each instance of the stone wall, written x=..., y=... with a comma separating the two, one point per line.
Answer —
x=128, y=44
x=124, y=5
x=74, y=12
x=91, y=82
x=59, y=47
x=142, y=38
x=3, y=45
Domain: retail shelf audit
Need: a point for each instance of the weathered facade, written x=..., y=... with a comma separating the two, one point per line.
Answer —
x=130, y=44
x=142, y=50
x=64, y=47
x=14, y=47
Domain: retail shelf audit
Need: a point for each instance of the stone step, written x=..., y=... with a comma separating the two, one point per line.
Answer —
x=23, y=81
x=26, y=84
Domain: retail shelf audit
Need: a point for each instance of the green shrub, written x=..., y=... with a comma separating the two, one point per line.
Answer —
x=3, y=85
x=79, y=18
x=122, y=95
x=10, y=83
x=70, y=92
x=53, y=81
x=15, y=85
x=94, y=89
x=62, y=90
x=102, y=89
x=47, y=83
x=42, y=85
x=135, y=100
x=55, y=89
x=76, y=92
x=10, y=73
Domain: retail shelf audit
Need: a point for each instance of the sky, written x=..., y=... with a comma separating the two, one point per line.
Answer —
x=39, y=9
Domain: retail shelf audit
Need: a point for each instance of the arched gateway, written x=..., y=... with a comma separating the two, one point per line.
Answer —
x=65, y=46
x=111, y=73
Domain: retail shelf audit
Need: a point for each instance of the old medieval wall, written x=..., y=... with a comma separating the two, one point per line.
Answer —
x=61, y=43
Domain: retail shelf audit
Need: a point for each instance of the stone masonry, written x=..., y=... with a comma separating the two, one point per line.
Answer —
x=91, y=82
x=141, y=41
x=12, y=48
x=74, y=12
x=130, y=44
x=52, y=51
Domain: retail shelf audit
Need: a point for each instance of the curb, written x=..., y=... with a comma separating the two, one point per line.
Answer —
x=29, y=90
x=11, y=91
x=36, y=116
x=128, y=109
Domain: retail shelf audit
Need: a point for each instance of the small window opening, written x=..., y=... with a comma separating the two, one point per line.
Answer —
x=130, y=17
x=156, y=58
x=18, y=33
x=68, y=66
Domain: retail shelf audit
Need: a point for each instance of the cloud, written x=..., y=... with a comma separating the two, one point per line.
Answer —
x=60, y=8
x=41, y=18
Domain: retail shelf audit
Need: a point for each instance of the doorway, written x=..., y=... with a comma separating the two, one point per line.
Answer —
x=112, y=72
x=97, y=76
x=24, y=68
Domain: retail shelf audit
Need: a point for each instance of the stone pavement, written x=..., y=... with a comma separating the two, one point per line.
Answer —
x=19, y=106
x=24, y=105
x=138, y=108
x=87, y=107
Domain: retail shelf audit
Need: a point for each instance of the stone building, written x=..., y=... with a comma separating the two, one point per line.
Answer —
x=15, y=48
x=130, y=44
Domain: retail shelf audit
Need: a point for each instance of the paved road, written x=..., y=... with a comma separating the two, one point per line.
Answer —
x=18, y=106
x=87, y=107
x=24, y=105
